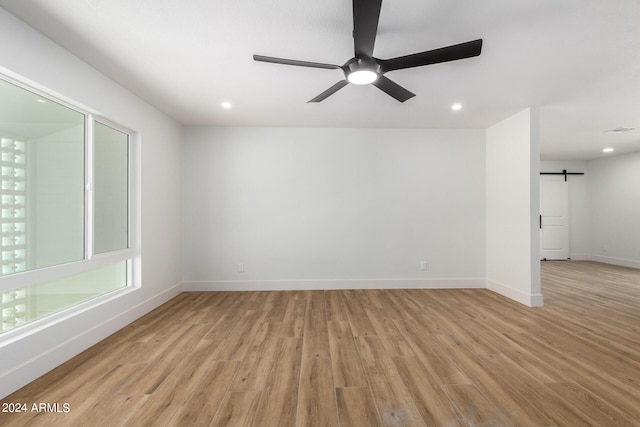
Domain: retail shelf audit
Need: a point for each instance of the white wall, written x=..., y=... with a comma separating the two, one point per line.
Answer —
x=512, y=200
x=330, y=208
x=27, y=55
x=614, y=207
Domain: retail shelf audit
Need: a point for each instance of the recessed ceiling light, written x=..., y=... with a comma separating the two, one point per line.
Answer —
x=607, y=150
x=456, y=107
x=42, y=101
x=226, y=104
x=619, y=130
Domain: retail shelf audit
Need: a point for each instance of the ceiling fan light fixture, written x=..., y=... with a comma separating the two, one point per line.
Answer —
x=361, y=71
x=362, y=77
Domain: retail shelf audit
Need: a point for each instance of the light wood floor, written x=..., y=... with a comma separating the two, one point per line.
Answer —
x=365, y=358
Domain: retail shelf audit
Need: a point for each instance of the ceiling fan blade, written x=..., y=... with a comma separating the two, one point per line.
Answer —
x=327, y=93
x=444, y=54
x=365, y=26
x=293, y=62
x=393, y=89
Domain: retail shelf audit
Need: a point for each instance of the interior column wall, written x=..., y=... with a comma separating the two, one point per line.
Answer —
x=512, y=201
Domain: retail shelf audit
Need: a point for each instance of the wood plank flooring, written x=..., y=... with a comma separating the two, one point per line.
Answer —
x=365, y=358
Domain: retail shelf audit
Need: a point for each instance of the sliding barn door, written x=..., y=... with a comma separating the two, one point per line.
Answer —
x=554, y=217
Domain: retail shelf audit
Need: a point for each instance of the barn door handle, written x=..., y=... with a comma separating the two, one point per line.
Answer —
x=540, y=221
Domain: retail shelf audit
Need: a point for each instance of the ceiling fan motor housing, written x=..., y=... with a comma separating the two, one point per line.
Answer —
x=358, y=64
x=361, y=71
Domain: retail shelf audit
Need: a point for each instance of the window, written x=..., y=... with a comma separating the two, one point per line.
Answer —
x=111, y=189
x=65, y=206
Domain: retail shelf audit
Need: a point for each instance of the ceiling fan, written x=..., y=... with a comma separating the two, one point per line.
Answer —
x=364, y=68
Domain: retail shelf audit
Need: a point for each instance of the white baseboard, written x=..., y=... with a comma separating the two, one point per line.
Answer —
x=580, y=257
x=606, y=260
x=287, y=285
x=616, y=261
x=44, y=362
x=530, y=300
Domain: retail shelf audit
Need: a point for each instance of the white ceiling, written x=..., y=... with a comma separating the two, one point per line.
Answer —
x=579, y=60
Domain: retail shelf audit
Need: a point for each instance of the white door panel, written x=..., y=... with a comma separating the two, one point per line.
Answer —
x=553, y=238
x=554, y=219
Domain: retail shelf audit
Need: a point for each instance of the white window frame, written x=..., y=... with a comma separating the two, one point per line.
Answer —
x=89, y=194
x=90, y=261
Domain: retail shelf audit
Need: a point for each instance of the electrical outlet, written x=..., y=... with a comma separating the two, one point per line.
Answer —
x=423, y=266
x=240, y=267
